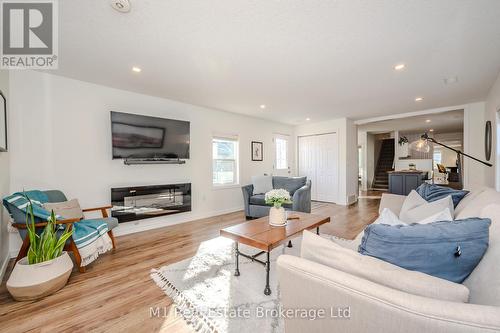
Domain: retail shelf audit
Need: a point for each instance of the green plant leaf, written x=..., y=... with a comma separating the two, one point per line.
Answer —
x=62, y=240
x=46, y=245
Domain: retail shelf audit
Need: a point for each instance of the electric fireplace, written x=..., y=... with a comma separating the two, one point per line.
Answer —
x=142, y=202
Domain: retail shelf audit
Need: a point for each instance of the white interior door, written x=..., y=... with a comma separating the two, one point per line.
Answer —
x=318, y=161
x=281, y=166
x=306, y=162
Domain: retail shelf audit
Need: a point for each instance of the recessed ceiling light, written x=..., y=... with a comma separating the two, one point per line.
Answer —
x=431, y=130
x=136, y=69
x=307, y=119
x=427, y=120
x=123, y=6
x=262, y=106
x=419, y=99
x=399, y=67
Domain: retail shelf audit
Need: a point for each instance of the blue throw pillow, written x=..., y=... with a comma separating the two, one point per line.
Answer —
x=432, y=192
x=448, y=250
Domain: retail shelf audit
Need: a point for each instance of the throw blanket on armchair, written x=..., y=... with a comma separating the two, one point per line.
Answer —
x=90, y=236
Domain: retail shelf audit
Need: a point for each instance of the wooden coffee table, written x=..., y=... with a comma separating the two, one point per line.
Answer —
x=262, y=236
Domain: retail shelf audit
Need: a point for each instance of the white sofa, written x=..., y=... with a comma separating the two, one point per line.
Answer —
x=374, y=307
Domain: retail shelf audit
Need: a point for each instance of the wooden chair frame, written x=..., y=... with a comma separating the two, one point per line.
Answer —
x=71, y=247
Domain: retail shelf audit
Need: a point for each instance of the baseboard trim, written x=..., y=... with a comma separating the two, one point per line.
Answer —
x=3, y=268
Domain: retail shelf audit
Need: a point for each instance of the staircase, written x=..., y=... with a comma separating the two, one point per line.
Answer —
x=384, y=164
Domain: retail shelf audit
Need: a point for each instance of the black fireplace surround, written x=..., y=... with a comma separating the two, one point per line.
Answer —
x=142, y=202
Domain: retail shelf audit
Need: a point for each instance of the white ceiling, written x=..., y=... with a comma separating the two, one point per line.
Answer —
x=443, y=122
x=315, y=58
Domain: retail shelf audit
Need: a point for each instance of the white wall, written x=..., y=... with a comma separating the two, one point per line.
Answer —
x=363, y=142
x=352, y=174
x=4, y=182
x=492, y=107
x=348, y=155
x=475, y=173
x=420, y=164
x=60, y=138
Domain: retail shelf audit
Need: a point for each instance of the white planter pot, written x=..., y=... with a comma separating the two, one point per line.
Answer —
x=277, y=216
x=30, y=282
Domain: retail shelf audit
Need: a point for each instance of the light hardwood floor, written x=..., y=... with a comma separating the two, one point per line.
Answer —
x=115, y=293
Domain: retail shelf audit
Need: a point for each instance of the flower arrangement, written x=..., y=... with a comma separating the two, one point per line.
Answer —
x=277, y=197
x=403, y=140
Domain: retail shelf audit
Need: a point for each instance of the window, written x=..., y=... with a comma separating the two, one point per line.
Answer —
x=224, y=161
x=281, y=145
x=437, y=156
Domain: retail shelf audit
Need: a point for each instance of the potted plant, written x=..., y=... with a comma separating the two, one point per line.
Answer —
x=46, y=268
x=277, y=214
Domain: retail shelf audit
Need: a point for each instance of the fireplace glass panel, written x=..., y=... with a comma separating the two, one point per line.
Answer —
x=141, y=202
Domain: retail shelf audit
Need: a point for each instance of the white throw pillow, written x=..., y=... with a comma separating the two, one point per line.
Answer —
x=444, y=215
x=325, y=252
x=415, y=208
x=67, y=209
x=388, y=217
x=262, y=184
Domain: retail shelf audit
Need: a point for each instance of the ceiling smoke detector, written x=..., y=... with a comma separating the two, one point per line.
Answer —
x=123, y=6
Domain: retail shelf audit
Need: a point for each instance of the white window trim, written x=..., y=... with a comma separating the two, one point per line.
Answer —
x=225, y=187
x=227, y=137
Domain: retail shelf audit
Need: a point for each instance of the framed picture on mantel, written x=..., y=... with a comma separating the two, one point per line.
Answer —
x=257, y=151
x=3, y=122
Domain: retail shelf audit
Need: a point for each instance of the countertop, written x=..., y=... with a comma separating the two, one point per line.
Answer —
x=407, y=171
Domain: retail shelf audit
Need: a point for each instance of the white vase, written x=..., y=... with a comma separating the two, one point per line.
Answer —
x=277, y=216
x=31, y=282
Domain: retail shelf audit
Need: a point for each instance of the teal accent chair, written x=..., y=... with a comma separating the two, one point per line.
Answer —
x=19, y=218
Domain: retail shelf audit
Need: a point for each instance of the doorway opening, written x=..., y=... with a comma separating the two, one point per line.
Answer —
x=386, y=147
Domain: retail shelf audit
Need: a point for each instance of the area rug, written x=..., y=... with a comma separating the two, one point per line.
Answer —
x=211, y=299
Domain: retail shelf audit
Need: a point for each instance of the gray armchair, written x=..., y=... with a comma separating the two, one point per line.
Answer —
x=299, y=188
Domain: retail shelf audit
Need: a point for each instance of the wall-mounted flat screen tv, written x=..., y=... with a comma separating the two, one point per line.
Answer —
x=138, y=136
